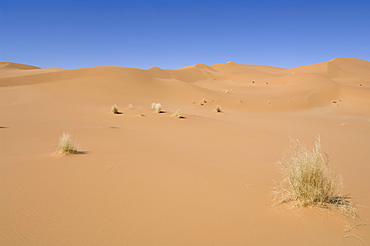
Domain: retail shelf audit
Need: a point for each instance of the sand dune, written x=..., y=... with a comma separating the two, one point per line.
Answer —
x=8, y=69
x=147, y=178
x=338, y=69
x=232, y=67
x=18, y=66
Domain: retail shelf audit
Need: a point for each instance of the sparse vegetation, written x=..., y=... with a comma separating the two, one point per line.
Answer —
x=202, y=102
x=157, y=107
x=177, y=114
x=309, y=181
x=218, y=109
x=115, y=109
x=66, y=146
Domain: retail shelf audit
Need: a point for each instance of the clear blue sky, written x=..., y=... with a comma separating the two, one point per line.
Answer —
x=173, y=34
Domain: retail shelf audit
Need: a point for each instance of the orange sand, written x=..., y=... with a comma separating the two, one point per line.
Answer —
x=158, y=180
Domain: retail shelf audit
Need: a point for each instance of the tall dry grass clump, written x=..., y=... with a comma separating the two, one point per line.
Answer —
x=308, y=180
x=66, y=146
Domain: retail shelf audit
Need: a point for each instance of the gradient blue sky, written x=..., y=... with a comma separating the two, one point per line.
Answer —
x=173, y=34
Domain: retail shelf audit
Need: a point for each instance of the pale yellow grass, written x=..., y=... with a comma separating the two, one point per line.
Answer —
x=308, y=180
x=177, y=114
x=114, y=109
x=66, y=146
x=157, y=107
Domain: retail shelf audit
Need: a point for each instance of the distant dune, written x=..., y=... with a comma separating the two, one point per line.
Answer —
x=147, y=178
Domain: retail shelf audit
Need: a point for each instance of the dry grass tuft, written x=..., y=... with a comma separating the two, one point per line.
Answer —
x=115, y=109
x=66, y=146
x=202, y=102
x=309, y=181
x=177, y=114
x=157, y=107
x=218, y=109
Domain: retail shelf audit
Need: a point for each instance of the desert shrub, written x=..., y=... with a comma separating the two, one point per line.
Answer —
x=218, y=109
x=308, y=179
x=66, y=146
x=114, y=109
x=177, y=114
x=202, y=102
x=157, y=107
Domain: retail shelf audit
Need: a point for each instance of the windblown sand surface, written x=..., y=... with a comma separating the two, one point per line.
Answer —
x=151, y=179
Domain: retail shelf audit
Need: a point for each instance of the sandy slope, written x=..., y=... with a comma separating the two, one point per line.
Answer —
x=158, y=180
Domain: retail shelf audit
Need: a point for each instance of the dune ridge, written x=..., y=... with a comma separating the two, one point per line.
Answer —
x=259, y=87
x=338, y=67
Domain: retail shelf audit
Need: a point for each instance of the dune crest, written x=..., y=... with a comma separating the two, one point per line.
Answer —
x=336, y=69
x=266, y=88
x=12, y=65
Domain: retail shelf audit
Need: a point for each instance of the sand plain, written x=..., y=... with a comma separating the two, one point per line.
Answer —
x=151, y=179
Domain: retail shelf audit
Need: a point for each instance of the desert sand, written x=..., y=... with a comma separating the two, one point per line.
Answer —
x=146, y=178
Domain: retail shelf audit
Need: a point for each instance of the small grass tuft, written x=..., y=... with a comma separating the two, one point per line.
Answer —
x=309, y=181
x=202, y=102
x=66, y=146
x=114, y=109
x=177, y=114
x=157, y=107
x=218, y=109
